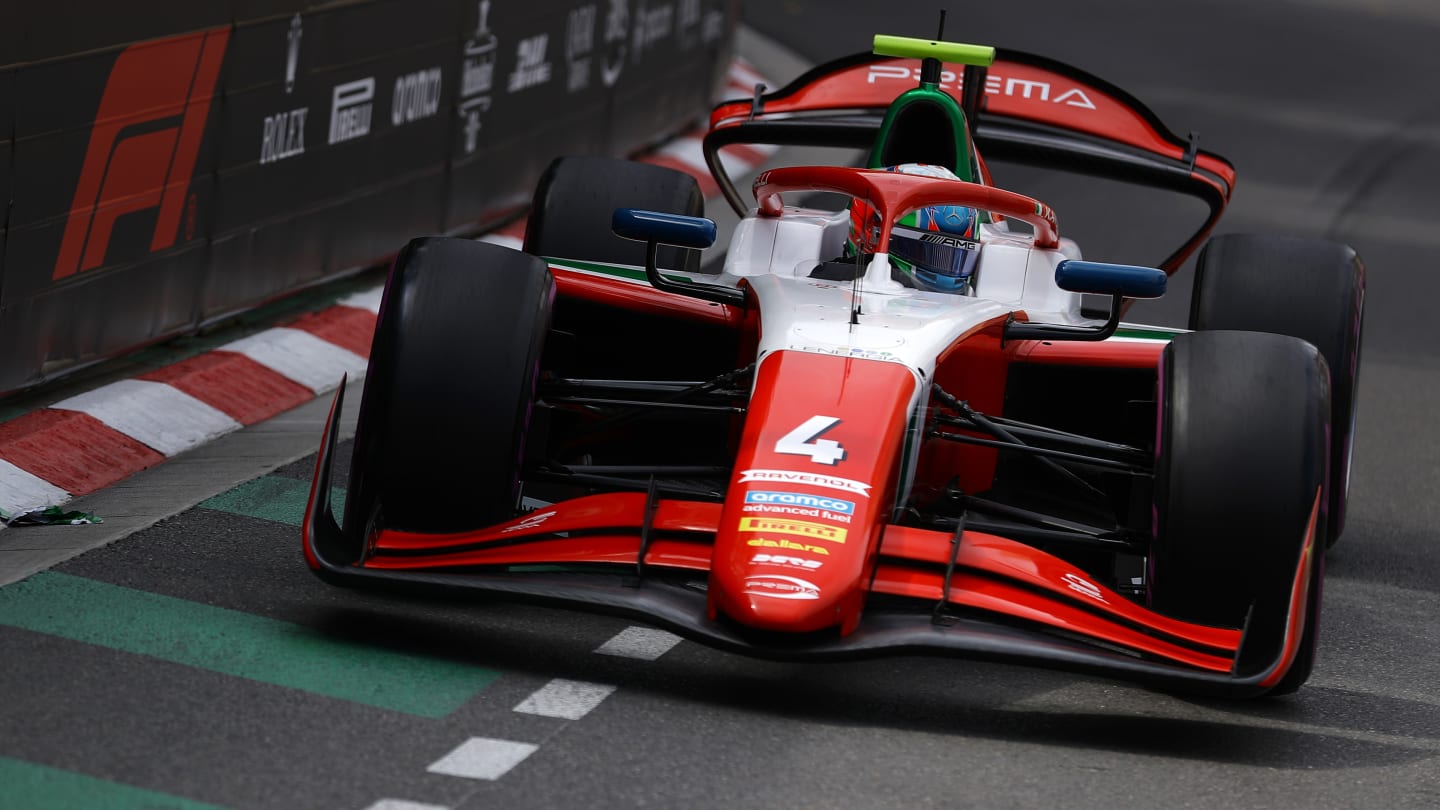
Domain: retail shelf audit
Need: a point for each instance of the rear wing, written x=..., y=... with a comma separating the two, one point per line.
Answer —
x=1032, y=110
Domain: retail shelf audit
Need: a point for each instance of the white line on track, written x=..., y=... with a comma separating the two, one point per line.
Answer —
x=644, y=643
x=482, y=758
x=158, y=415
x=401, y=804
x=567, y=700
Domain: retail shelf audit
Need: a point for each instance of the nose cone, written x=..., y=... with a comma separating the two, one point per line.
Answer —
x=779, y=584
x=814, y=478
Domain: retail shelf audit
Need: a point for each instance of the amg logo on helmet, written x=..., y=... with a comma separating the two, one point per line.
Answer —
x=800, y=499
x=951, y=241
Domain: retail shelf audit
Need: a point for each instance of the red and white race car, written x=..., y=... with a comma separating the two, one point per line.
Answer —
x=885, y=426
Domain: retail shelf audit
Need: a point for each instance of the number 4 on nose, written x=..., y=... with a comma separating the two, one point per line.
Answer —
x=805, y=441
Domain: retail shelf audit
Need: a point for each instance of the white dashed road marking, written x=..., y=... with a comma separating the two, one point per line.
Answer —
x=482, y=758
x=644, y=643
x=401, y=804
x=158, y=415
x=567, y=700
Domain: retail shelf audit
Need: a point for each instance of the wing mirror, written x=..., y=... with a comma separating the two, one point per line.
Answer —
x=1119, y=281
x=656, y=228
x=1101, y=278
x=663, y=229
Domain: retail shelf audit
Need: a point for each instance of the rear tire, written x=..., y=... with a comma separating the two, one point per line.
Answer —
x=450, y=387
x=1241, y=458
x=576, y=197
x=1306, y=288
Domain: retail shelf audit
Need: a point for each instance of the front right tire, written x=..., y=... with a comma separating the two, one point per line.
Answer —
x=1241, y=463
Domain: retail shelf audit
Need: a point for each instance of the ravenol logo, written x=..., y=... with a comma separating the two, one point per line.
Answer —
x=798, y=499
x=799, y=528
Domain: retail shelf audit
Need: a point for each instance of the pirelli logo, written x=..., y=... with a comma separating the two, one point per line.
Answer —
x=798, y=528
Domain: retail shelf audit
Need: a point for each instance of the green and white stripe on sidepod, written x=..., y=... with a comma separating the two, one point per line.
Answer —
x=1142, y=333
x=619, y=271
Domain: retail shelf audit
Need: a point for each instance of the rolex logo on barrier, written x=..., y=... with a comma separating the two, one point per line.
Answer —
x=282, y=135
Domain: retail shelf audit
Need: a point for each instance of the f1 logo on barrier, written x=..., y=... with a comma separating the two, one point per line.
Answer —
x=143, y=144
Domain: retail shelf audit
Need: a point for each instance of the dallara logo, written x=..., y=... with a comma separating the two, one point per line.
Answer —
x=799, y=528
x=766, y=542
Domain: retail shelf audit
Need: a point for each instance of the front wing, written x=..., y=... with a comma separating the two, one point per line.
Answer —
x=634, y=556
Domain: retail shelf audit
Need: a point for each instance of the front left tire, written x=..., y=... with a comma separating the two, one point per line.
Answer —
x=450, y=388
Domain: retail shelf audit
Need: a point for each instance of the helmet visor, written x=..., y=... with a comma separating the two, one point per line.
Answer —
x=941, y=261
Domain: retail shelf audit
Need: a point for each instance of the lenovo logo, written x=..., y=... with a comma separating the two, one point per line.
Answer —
x=143, y=144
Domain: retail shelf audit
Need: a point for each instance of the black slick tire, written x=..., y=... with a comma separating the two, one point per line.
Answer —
x=1306, y=288
x=450, y=387
x=576, y=197
x=1240, y=462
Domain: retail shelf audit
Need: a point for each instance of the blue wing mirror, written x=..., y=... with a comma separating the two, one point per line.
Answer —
x=656, y=228
x=1102, y=278
x=663, y=229
x=1119, y=281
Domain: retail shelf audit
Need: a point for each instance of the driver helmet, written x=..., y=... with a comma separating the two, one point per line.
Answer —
x=935, y=248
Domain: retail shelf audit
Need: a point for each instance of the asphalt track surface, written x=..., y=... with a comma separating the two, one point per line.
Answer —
x=173, y=695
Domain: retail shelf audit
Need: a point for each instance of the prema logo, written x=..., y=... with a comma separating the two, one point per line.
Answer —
x=995, y=85
x=143, y=144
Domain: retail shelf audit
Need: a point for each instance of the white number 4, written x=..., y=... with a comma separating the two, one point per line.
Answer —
x=805, y=441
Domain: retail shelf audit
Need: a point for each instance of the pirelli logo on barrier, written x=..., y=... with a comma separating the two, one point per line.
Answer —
x=143, y=144
x=798, y=528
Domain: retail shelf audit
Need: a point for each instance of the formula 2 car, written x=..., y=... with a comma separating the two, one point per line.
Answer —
x=888, y=428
